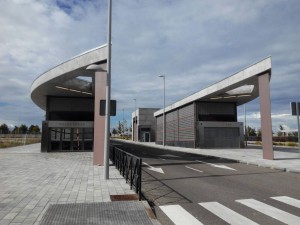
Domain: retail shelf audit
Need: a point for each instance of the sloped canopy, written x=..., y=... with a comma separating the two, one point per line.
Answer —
x=67, y=79
x=241, y=88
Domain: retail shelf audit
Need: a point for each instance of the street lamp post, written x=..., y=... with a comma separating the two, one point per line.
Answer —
x=164, y=116
x=246, y=133
x=107, y=105
x=134, y=120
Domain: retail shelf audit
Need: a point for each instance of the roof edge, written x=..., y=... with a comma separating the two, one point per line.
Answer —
x=77, y=56
x=254, y=69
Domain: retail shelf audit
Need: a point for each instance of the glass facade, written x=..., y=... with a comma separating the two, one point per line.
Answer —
x=71, y=139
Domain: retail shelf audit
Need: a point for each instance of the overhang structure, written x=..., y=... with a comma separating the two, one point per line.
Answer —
x=70, y=94
x=238, y=89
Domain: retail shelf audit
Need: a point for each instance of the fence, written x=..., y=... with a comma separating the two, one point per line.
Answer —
x=130, y=167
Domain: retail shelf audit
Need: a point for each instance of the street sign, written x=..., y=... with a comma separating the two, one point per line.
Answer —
x=294, y=108
x=295, y=112
x=113, y=107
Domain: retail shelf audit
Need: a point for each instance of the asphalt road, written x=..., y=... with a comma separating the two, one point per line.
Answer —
x=184, y=180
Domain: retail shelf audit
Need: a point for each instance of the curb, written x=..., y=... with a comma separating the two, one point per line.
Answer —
x=284, y=169
x=150, y=213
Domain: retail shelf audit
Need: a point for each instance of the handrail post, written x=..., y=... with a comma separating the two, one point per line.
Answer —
x=140, y=179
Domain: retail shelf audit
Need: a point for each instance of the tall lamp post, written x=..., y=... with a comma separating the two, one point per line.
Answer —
x=246, y=133
x=134, y=120
x=107, y=105
x=164, y=116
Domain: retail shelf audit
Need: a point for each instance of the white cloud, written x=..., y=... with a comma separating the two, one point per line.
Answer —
x=194, y=43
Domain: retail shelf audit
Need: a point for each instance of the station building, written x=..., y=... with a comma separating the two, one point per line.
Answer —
x=70, y=95
x=143, y=125
x=208, y=118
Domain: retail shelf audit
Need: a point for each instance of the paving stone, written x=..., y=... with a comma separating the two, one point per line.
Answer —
x=30, y=181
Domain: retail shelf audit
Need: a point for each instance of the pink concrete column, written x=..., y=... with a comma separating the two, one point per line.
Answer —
x=99, y=121
x=265, y=114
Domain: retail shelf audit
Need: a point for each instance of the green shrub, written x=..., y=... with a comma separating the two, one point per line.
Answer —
x=292, y=144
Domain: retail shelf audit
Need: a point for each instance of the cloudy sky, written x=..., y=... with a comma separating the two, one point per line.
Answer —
x=193, y=42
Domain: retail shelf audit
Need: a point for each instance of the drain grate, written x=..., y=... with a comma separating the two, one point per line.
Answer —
x=105, y=213
x=132, y=197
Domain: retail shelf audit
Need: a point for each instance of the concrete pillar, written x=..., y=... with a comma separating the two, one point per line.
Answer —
x=99, y=121
x=46, y=138
x=265, y=114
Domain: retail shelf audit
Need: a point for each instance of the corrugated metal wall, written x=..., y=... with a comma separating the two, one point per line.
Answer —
x=159, y=129
x=186, y=126
x=172, y=126
x=180, y=127
x=135, y=129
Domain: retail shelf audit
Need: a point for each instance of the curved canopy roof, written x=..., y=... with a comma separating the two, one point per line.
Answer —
x=70, y=78
x=240, y=88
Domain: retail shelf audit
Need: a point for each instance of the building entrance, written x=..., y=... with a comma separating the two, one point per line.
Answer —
x=71, y=139
x=68, y=136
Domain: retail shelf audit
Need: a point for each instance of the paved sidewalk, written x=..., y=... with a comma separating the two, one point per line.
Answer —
x=30, y=181
x=287, y=159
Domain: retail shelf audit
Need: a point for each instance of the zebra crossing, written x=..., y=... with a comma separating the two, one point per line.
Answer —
x=180, y=216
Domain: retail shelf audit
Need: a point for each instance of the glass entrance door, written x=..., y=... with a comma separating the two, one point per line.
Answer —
x=72, y=139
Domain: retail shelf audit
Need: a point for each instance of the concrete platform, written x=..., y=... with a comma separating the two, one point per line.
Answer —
x=31, y=181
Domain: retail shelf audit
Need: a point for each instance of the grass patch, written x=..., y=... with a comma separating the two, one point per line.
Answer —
x=289, y=144
x=123, y=137
x=13, y=142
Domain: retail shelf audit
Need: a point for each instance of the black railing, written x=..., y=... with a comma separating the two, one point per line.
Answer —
x=130, y=167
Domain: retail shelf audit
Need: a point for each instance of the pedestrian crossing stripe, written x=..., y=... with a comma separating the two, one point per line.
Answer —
x=271, y=211
x=179, y=216
x=226, y=214
x=288, y=200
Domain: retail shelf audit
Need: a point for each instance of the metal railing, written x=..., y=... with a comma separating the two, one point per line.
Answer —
x=130, y=167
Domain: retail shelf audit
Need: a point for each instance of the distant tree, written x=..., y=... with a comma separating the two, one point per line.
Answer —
x=4, y=129
x=34, y=129
x=251, y=131
x=259, y=132
x=114, y=131
x=281, y=127
x=130, y=128
x=281, y=132
x=125, y=129
x=16, y=130
x=120, y=128
x=23, y=129
x=293, y=134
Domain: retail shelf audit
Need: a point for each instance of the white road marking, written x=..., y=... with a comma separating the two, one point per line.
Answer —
x=158, y=170
x=169, y=155
x=218, y=166
x=288, y=200
x=271, y=211
x=226, y=214
x=194, y=169
x=179, y=215
x=161, y=158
